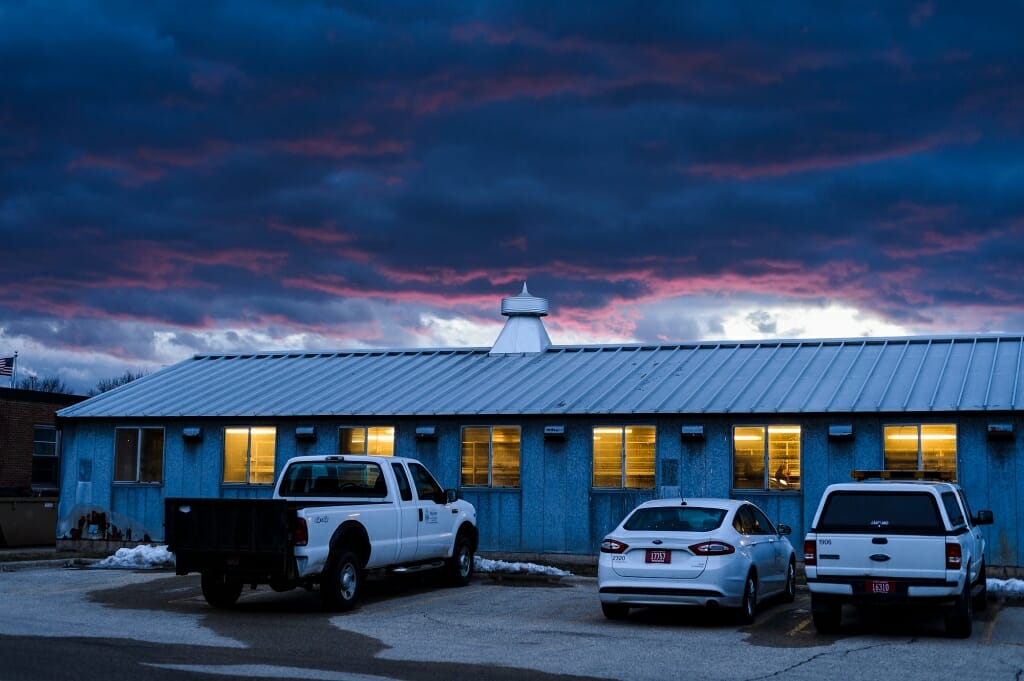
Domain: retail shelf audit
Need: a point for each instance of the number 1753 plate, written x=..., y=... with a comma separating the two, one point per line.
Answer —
x=658, y=556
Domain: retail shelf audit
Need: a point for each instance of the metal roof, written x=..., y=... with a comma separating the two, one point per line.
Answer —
x=933, y=374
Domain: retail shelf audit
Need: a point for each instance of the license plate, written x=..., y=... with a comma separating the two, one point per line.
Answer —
x=658, y=556
x=880, y=586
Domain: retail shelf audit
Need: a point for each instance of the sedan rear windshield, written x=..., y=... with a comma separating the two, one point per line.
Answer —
x=881, y=513
x=334, y=479
x=675, y=519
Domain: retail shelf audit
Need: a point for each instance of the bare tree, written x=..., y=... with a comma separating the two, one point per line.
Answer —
x=110, y=383
x=50, y=384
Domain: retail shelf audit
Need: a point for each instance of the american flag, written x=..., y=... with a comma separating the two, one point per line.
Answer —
x=6, y=366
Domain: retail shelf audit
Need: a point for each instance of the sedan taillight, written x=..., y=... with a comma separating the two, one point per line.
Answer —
x=613, y=546
x=954, y=557
x=301, y=532
x=712, y=548
x=810, y=552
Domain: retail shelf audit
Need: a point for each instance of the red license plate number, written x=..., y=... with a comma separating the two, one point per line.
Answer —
x=658, y=556
x=880, y=586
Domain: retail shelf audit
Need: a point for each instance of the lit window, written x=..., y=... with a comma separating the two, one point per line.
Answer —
x=930, y=447
x=766, y=457
x=375, y=441
x=44, y=458
x=138, y=454
x=624, y=457
x=249, y=454
x=490, y=456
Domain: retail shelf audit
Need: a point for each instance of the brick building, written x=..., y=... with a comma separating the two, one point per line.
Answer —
x=29, y=465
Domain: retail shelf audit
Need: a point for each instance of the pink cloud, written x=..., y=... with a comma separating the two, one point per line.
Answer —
x=339, y=286
x=186, y=158
x=132, y=174
x=922, y=13
x=325, y=234
x=336, y=148
x=931, y=242
x=826, y=161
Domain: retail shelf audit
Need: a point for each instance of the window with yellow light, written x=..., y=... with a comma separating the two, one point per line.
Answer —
x=371, y=440
x=490, y=456
x=624, y=457
x=925, y=447
x=249, y=454
x=766, y=457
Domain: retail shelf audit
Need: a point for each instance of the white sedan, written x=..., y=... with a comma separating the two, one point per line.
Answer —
x=704, y=552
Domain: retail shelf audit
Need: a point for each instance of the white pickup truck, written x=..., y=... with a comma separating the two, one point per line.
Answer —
x=884, y=542
x=331, y=520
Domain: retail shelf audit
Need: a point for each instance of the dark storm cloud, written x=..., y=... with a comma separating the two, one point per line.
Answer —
x=338, y=169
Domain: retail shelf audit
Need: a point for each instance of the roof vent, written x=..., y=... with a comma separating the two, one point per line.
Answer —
x=524, y=331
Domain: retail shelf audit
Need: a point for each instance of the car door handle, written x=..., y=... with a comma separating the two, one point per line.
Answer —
x=421, y=515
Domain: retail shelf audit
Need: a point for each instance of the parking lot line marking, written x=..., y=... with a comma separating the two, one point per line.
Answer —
x=800, y=627
x=989, y=628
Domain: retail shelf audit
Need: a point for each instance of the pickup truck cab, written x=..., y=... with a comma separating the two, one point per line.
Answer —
x=885, y=541
x=332, y=520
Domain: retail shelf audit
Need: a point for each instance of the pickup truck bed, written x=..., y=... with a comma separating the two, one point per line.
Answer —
x=245, y=538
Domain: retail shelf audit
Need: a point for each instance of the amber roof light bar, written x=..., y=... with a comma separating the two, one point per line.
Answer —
x=944, y=476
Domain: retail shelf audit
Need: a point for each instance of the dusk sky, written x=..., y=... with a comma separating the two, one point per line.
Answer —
x=180, y=178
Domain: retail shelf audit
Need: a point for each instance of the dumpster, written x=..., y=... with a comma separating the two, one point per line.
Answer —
x=28, y=521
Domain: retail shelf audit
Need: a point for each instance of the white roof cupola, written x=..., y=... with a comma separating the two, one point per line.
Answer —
x=524, y=331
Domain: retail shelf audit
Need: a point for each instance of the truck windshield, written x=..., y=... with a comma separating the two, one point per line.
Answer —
x=881, y=513
x=334, y=479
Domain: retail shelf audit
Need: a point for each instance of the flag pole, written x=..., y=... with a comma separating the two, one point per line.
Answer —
x=14, y=370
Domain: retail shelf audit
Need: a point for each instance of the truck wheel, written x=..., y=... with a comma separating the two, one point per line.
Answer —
x=219, y=590
x=459, y=567
x=342, y=582
x=981, y=598
x=827, y=614
x=748, y=607
x=960, y=619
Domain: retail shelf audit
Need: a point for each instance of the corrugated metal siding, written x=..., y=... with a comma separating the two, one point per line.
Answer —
x=858, y=375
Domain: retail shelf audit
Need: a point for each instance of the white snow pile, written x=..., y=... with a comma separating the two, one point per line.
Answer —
x=146, y=556
x=142, y=556
x=507, y=568
x=1006, y=586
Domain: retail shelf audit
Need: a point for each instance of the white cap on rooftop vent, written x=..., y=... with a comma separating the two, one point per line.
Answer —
x=524, y=331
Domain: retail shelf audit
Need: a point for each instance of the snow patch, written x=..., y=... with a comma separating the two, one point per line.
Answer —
x=145, y=556
x=1005, y=586
x=507, y=568
x=142, y=556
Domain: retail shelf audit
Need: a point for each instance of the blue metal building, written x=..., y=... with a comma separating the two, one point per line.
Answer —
x=554, y=444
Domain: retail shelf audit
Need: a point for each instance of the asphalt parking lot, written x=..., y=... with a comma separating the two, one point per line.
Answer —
x=508, y=628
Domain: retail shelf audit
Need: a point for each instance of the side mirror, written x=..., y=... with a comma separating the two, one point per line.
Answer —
x=451, y=495
x=984, y=518
x=785, y=529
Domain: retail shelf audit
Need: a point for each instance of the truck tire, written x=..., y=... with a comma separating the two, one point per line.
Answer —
x=960, y=618
x=981, y=598
x=827, y=614
x=342, y=581
x=219, y=590
x=459, y=568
